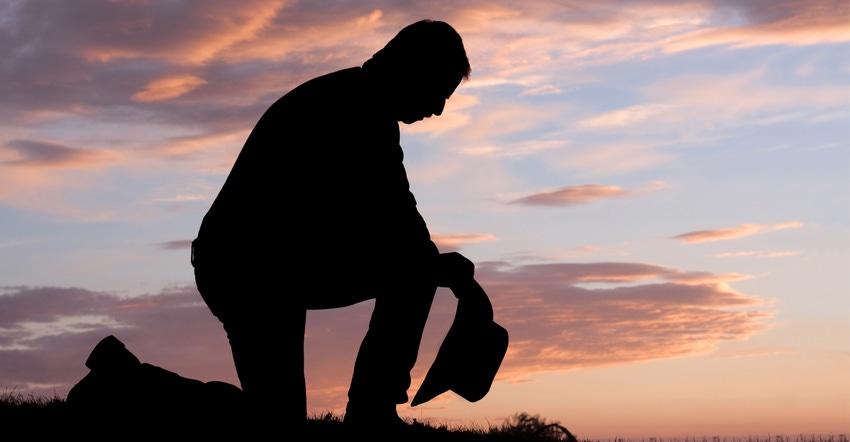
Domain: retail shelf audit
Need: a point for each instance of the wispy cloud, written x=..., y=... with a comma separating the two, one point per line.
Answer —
x=583, y=194
x=168, y=87
x=757, y=254
x=636, y=114
x=175, y=245
x=550, y=255
x=46, y=334
x=791, y=23
x=453, y=242
x=178, y=33
x=741, y=231
x=32, y=153
x=571, y=195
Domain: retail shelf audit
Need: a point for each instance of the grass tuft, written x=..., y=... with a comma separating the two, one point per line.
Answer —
x=42, y=417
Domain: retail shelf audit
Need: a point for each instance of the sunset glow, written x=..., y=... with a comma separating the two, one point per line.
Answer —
x=655, y=194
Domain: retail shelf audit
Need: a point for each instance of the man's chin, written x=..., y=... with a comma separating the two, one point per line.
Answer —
x=411, y=120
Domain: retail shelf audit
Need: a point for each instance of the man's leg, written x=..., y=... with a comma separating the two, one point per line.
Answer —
x=388, y=353
x=268, y=351
x=266, y=336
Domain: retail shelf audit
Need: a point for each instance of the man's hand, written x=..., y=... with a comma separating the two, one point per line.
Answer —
x=453, y=269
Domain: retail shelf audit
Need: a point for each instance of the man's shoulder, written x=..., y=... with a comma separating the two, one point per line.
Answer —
x=345, y=79
x=352, y=74
x=343, y=88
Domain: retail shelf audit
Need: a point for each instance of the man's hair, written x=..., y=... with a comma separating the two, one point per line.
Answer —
x=427, y=45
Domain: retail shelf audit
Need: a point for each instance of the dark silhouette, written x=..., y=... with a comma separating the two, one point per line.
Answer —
x=122, y=394
x=472, y=352
x=317, y=213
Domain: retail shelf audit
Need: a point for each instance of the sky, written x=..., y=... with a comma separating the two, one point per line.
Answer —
x=656, y=195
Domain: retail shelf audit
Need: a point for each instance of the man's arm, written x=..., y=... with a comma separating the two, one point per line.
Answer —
x=453, y=269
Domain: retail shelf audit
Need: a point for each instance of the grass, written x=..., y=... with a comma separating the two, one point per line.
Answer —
x=45, y=417
x=42, y=418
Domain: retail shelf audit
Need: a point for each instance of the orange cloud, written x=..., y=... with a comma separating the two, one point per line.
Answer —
x=168, y=87
x=798, y=23
x=583, y=194
x=703, y=278
x=453, y=242
x=284, y=39
x=637, y=114
x=216, y=147
x=556, y=325
x=571, y=195
x=183, y=35
x=741, y=231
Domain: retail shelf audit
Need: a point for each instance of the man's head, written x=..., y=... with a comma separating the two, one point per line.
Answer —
x=419, y=69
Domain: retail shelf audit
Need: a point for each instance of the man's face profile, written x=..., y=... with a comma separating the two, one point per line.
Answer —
x=424, y=99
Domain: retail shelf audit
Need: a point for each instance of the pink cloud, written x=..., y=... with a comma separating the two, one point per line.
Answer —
x=46, y=334
x=38, y=154
x=554, y=323
x=793, y=23
x=180, y=34
x=168, y=87
x=454, y=242
x=583, y=194
x=757, y=254
x=571, y=195
x=741, y=231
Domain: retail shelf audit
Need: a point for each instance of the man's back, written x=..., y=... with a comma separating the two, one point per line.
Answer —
x=322, y=170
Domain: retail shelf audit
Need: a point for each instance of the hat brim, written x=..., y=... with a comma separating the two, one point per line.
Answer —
x=466, y=363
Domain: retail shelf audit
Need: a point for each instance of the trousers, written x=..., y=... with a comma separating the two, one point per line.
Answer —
x=263, y=311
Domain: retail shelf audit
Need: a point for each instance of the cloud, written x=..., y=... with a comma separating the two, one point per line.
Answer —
x=54, y=178
x=175, y=245
x=448, y=243
x=582, y=194
x=571, y=195
x=742, y=231
x=179, y=199
x=31, y=153
x=554, y=322
x=517, y=149
x=792, y=23
x=168, y=87
x=46, y=334
x=636, y=114
x=181, y=33
x=556, y=325
x=689, y=109
x=540, y=255
x=757, y=254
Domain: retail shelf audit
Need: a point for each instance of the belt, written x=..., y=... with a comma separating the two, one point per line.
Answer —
x=192, y=255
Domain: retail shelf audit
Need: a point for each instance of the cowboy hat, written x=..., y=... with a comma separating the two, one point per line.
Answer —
x=471, y=353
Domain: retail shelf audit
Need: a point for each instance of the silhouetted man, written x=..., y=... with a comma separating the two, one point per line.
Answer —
x=317, y=213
